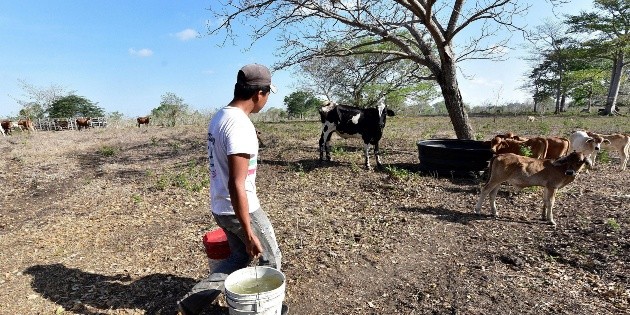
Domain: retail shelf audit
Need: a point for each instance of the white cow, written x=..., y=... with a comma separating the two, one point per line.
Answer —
x=586, y=143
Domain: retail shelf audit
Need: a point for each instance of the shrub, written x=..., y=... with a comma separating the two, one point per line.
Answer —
x=398, y=173
x=526, y=150
x=613, y=224
x=108, y=150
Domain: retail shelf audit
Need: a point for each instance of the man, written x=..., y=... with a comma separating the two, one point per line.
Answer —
x=232, y=153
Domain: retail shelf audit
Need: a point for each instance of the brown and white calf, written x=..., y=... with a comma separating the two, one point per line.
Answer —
x=521, y=171
x=587, y=143
x=9, y=125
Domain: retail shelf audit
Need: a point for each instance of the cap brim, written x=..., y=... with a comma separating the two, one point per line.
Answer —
x=273, y=88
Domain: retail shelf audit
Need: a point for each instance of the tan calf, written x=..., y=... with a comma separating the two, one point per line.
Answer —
x=620, y=143
x=521, y=172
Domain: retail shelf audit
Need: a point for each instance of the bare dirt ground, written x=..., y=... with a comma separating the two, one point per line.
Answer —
x=109, y=221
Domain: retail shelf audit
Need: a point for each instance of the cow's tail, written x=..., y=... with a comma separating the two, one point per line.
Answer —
x=489, y=172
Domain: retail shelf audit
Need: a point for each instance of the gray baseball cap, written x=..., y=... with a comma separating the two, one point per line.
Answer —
x=255, y=74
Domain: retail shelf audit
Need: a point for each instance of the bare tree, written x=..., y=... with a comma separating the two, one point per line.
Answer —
x=363, y=80
x=423, y=31
x=36, y=100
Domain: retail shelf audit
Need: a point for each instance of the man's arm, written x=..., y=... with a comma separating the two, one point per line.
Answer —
x=237, y=167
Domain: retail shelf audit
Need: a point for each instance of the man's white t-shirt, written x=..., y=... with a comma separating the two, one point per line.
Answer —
x=231, y=132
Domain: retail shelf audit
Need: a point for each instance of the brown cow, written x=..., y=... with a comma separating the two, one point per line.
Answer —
x=522, y=171
x=500, y=145
x=556, y=147
x=26, y=124
x=61, y=124
x=84, y=122
x=143, y=121
x=538, y=146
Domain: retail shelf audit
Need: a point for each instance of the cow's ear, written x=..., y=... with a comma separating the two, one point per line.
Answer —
x=390, y=113
x=563, y=159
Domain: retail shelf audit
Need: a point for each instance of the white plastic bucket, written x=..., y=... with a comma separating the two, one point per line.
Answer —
x=255, y=279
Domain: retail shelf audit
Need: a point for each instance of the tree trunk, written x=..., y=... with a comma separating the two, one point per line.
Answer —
x=558, y=96
x=563, y=102
x=447, y=80
x=615, y=82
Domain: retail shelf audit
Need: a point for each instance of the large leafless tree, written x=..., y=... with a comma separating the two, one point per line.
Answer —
x=423, y=31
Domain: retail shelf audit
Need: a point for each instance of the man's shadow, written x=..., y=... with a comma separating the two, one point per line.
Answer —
x=89, y=293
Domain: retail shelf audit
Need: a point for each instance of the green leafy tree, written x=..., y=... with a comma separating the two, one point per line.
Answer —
x=301, y=103
x=171, y=109
x=606, y=34
x=586, y=80
x=74, y=106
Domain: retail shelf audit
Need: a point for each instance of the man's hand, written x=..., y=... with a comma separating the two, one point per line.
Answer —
x=254, y=249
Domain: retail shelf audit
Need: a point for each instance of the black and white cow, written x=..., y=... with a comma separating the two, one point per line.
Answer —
x=353, y=122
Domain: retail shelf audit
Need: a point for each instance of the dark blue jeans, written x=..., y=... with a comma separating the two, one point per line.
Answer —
x=208, y=289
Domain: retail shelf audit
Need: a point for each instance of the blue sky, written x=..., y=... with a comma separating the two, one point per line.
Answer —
x=126, y=54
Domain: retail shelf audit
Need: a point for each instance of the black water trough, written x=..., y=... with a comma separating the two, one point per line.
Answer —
x=453, y=157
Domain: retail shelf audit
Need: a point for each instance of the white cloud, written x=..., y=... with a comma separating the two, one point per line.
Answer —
x=144, y=52
x=187, y=34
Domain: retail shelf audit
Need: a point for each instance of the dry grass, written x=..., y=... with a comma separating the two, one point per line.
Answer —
x=108, y=221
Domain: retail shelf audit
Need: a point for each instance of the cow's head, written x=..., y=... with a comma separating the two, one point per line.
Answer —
x=383, y=112
x=497, y=143
x=573, y=163
x=597, y=140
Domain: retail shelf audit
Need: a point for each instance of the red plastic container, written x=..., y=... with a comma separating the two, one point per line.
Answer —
x=216, y=244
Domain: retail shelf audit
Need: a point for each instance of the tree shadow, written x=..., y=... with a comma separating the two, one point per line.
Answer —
x=458, y=178
x=304, y=165
x=90, y=293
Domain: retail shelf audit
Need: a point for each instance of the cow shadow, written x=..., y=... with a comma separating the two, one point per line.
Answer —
x=448, y=215
x=453, y=216
x=90, y=293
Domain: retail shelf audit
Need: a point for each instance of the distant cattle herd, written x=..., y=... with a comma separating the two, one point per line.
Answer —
x=51, y=124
